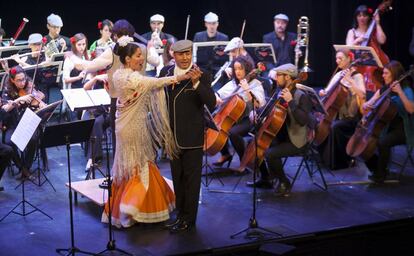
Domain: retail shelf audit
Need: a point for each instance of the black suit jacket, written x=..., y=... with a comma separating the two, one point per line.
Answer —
x=162, y=36
x=284, y=50
x=186, y=109
x=203, y=37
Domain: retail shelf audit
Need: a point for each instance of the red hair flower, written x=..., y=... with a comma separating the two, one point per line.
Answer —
x=44, y=40
x=164, y=41
x=261, y=66
x=93, y=54
x=13, y=71
x=370, y=11
x=293, y=43
x=351, y=55
x=73, y=40
x=99, y=25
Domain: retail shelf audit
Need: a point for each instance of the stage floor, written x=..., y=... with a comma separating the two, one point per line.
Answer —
x=307, y=210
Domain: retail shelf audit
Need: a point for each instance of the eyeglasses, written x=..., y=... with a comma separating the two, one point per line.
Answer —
x=21, y=80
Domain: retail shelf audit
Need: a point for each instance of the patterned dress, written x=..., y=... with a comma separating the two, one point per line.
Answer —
x=139, y=192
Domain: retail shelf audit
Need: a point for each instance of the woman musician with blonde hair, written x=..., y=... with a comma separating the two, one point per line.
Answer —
x=334, y=153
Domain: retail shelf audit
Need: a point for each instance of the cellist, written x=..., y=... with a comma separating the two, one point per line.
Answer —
x=248, y=88
x=333, y=152
x=295, y=133
x=357, y=36
x=401, y=128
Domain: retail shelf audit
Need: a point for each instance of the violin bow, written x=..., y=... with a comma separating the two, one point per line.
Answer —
x=186, y=27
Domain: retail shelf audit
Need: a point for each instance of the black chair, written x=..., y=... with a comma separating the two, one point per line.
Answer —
x=310, y=161
x=403, y=164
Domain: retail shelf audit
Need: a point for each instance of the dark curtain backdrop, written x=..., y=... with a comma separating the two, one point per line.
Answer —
x=329, y=21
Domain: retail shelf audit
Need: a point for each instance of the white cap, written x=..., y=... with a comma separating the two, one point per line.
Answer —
x=281, y=16
x=234, y=43
x=35, y=38
x=211, y=17
x=157, y=17
x=54, y=20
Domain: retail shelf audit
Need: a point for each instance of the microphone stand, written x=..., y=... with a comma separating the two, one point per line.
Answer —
x=254, y=231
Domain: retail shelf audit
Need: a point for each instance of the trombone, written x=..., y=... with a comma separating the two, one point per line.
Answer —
x=20, y=55
x=302, y=41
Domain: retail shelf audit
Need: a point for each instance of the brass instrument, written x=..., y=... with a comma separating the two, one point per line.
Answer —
x=302, y=41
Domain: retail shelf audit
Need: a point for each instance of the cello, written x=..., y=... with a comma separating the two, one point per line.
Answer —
x=364, y=140
x=225, y=117
x=372, y=73
x=271, y=120
x=332, y=102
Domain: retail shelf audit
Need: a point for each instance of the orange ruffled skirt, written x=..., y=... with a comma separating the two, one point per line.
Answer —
x=132, y=202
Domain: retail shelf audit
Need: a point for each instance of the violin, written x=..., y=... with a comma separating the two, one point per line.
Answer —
x=37, y=98
x=271, y=120
x=364, y=140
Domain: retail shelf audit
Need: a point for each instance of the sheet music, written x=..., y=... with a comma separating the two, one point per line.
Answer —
x=25, y=129
x=77, y=98
x=99, y=97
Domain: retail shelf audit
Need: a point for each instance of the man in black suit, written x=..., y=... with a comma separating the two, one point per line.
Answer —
x=283, y=42
x=186, y=102
x=210, y=58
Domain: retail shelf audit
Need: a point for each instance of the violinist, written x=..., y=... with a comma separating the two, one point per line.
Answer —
x=401, y=128
x=248, y=88
x=295, y=133
x=334, y=151
x=72, y=77
x=19, y=94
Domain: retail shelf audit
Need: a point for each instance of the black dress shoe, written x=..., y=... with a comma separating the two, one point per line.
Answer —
x=283, y=188
x=379, y=179
x=170, y=224
x=224, y=159
x=261, y=183
x=182, y=226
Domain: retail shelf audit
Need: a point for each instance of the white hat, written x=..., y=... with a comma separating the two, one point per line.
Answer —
x=234, y=43
x=157, y=17
x=281, y=16
x=54, y=20
x=35, y=38
x=287, y=69
x=211, y=17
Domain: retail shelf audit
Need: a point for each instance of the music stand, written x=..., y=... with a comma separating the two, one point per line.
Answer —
x=254, y=230
x=66, y=134
x=29, y=121
x=208, y=124
x=45, y=114
x=367, y=54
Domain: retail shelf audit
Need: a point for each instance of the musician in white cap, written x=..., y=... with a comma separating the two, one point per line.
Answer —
x=157, y=37
x=283, y=42
x=235, y=48
x=54, y=25
x=209, y=58
x=35, y=45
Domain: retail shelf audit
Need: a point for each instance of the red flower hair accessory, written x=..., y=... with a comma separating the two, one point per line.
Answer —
x=351, y=55
x=293, y=43
x=99, y=25
x=164, y=41
x=93, y=54
x=13, y=71
x=73, y=40
x=44, y=40
x=370, y=11
x=261, y=66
